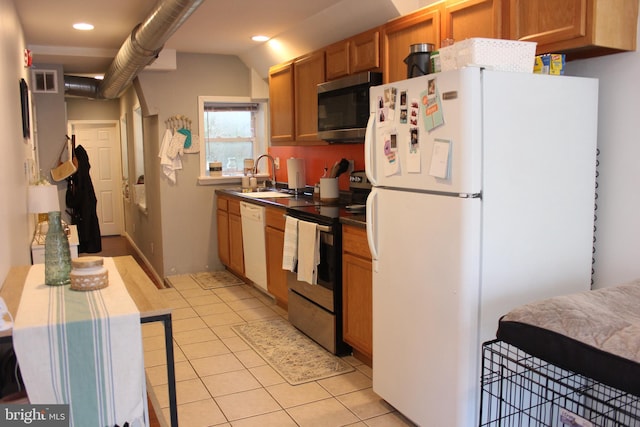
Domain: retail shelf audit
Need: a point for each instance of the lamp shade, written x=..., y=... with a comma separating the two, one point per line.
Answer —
x=43, y=199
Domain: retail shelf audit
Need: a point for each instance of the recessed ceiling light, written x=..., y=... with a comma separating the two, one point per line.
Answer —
x=259, y=38
x=83, y=26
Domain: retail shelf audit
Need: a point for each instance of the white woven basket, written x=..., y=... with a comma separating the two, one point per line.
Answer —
x=494, y=54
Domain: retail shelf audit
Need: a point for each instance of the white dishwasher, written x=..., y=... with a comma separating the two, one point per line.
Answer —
x=253, y=243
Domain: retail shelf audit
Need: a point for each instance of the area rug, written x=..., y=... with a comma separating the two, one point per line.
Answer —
x=216, y=279
x=291, y=353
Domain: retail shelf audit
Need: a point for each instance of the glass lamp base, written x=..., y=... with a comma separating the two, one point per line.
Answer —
x=57, y=256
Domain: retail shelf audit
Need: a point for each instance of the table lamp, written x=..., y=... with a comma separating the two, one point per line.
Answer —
x=57, y=256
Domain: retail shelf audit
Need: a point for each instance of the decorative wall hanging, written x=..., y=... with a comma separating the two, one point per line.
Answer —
x=180, y=124
x=24, y=100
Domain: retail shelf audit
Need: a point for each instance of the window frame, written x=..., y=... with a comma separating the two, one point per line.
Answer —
x=53, y=74
x=261, y=137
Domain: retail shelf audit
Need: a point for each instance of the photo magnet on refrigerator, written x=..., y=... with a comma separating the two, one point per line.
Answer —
x=432, y=106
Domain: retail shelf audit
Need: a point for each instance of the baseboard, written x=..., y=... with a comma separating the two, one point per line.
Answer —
x=155, y=405
x=144, y=259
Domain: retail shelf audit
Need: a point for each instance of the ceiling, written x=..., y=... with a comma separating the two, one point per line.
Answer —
x=216, y=27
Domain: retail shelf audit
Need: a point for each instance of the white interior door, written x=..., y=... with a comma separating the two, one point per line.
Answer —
x=100, y=140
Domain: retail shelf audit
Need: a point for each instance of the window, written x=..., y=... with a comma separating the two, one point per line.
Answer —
x=231, y=129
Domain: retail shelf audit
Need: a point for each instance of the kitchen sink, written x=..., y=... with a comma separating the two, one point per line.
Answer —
x=267, y=194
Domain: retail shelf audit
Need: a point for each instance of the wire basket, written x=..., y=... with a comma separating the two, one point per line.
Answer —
x=494, y=54
x=521, y=390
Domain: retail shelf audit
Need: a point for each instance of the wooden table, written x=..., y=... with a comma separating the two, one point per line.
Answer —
x=143, y=293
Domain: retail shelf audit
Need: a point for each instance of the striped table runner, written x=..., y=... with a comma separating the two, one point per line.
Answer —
x=82, y=349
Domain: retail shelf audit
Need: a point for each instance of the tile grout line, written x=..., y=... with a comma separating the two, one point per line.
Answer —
x=180, y=290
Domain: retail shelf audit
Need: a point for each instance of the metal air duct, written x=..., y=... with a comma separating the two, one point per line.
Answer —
x=138, y=51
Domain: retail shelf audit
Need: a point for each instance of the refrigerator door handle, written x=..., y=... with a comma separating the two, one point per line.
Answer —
x=372, y=226
x=369, y=161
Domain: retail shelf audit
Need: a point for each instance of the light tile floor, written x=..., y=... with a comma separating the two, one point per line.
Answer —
x=221, y=381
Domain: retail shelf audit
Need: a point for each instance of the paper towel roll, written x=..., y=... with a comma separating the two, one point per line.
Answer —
x=295, y=173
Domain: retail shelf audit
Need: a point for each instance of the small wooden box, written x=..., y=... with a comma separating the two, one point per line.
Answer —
x=88, y=274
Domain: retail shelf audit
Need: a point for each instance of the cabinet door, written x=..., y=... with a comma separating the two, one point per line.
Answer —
x=547, y=21
x=422, y=26
x=222, y=218
x=236, y=255
x=365, y=52
x=308, y=72
x=337, y=60
x=276, y=276
x=585, y=26
x=357, y=303
x=281, y=103
x=464, y=19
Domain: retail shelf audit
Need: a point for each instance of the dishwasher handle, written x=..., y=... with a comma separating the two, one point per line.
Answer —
x=251, y=211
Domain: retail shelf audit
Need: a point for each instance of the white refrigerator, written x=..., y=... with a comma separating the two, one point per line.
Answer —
x=482, y=200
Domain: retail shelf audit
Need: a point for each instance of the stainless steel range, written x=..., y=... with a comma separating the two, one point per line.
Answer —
x=317, y=309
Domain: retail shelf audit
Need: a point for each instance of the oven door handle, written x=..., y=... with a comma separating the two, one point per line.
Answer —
x=322, y=228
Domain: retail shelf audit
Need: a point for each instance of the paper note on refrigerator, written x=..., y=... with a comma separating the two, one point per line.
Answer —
x=440, y=159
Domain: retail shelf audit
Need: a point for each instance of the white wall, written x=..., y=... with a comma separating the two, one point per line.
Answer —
x=17, y=153
x=618, y=214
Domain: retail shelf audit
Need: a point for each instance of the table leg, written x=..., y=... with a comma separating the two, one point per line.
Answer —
x=171, y=371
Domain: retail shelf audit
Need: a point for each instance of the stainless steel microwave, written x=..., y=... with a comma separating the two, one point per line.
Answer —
x=343, y=107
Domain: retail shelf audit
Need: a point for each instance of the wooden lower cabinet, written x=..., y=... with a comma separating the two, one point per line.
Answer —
x=236, y=252
x=274, y=239
x=357, y=326
x=229, y=225
x=222, y=220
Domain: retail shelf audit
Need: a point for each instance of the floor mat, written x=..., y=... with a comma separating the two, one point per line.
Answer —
x=216, y=279
x=291, y=353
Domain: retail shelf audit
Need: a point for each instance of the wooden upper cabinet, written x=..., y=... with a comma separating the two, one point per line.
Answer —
x=337, y=60
x=579, y=28
x=465, y=19
x=399, y=34
x=365, y=51
x=354, y=55
x=308, y=72
x=281, y=103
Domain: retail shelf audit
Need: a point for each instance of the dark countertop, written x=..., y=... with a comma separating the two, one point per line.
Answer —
x=355, y=219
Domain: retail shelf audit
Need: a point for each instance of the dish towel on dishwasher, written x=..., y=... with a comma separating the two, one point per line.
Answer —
x=308, y=252
x=290, y=249
x=82, y=348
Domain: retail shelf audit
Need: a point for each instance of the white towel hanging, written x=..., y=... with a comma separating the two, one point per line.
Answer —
x=308, y=252
x=290, y=249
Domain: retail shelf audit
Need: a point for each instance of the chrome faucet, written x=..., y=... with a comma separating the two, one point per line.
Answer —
x=272, y=179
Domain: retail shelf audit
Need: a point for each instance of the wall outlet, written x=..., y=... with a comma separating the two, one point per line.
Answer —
x=351, y=166
x=276, y=162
